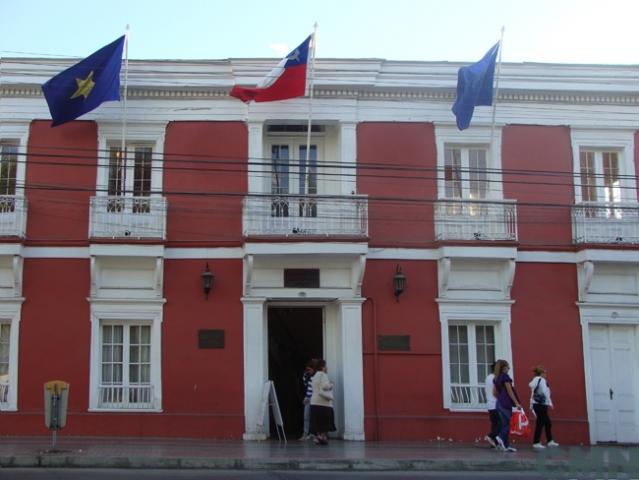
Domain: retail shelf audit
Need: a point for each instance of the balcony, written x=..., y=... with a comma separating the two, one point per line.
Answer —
x=13, y=216
x=128, y=217
x=605, y=223
x=285, y=215
x=475, y=220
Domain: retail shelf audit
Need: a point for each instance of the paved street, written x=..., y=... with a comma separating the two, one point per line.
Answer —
x=112, y=474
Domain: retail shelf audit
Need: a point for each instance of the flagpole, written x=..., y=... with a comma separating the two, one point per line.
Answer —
x=124, y=105
x=496, y=92
x=310, y=109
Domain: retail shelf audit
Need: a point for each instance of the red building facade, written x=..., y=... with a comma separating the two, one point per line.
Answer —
x=517, y=242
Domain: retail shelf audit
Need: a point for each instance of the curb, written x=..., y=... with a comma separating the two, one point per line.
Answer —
x=63, y=460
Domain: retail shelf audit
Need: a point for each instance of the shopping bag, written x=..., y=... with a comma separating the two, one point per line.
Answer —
x=519, y=424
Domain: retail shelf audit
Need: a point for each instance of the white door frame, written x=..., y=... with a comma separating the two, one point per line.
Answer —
x=603, y=314
x=343, y=352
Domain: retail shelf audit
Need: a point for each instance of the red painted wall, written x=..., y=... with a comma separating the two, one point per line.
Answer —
x=542, y=158
x=412, y=145
x=203, y=388
x=209, y=160
x=403, y=390
x=546, y=330
x=54, y=340
x=60, y=177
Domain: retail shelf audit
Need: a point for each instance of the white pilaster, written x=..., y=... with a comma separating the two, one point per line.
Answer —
x=255, y=366
x=352, y=367
x=257, y=165
x=348, y=156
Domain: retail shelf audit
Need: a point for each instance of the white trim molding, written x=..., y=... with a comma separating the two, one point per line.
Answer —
x=10, y=313
x=621, y=141
x=126, y=313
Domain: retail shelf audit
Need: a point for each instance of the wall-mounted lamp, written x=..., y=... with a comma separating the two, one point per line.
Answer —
x=399, y=282
x=207, y=280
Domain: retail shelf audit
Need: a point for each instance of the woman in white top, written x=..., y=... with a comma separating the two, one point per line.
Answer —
x=540, y=402
x=322, y=416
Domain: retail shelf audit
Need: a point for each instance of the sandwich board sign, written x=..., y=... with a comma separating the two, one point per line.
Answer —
x=269, y=400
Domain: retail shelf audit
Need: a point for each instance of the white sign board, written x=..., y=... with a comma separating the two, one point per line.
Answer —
x=269, y=398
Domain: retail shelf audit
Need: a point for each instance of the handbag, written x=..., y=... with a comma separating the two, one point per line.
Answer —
x=519, y=423
x=539, y=398
x=326, y=394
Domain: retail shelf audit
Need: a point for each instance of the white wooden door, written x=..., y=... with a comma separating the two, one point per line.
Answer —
x=613, y=360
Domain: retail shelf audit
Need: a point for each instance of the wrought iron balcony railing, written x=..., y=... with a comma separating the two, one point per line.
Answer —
x=475, y=220
x=128, y=217
x=605, y=223
x=285, y=215
x=126, y=397
x=468, y=396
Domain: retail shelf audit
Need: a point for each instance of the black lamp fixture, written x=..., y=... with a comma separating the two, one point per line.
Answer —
x=207, y=280
x=399, y=282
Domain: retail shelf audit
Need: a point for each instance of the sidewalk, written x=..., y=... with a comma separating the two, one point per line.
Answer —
x=93, y=452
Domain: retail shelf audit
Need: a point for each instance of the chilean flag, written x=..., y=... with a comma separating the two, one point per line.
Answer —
x=287, y=80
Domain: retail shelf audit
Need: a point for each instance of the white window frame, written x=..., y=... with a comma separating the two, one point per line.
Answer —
x=447, y=136
x=10, y=312
x=496, y=314
x=138, y=134
x=620, y=141
x=18, y=134
x=126, y=313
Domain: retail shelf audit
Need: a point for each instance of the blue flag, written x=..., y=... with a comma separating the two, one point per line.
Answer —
x=86, y=85
x=475, y=87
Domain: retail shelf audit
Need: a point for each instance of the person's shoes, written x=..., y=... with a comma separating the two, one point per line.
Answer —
x=317, y=441
x=552, y=443
x=538, y=446
x=500, y=444
x=303, y=438
x=491, y=441
x=323, y=441
x=511, y=449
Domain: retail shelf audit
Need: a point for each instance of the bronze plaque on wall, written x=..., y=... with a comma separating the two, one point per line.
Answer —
x=400, y=343
x=210, y=338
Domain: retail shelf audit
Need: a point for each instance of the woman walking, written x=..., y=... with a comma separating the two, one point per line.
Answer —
x=506, y=399
x=322, y=416
x=540, y=401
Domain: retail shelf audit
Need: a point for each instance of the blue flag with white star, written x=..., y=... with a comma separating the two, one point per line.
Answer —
x=475, y=87
x=86, y=85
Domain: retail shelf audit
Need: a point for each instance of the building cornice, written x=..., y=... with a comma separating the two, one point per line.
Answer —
x=381, y=94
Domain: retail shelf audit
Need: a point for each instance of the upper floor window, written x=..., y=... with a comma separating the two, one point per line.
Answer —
x=130, y=171
x=468, y=164
x=136, y=170
x=603, y=163
x=8, y=167
x=291, y=170
x=600, y=176
x=465, y=172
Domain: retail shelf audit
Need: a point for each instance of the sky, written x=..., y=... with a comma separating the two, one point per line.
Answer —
x=553, y=31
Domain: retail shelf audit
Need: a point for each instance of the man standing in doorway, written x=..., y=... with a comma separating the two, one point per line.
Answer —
x=309, y=371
